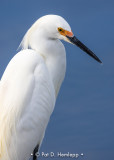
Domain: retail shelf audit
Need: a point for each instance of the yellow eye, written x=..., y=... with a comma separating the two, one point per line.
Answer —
x=60, y=29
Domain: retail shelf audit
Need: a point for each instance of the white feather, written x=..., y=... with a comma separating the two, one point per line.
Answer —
x=29, y=87
x=24, y=105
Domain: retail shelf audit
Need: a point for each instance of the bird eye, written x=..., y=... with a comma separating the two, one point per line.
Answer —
x=60, y=29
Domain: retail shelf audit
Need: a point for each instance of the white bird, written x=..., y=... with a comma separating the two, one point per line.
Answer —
x=30, y=85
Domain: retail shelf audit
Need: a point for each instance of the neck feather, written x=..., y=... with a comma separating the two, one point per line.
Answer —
x=53, y=53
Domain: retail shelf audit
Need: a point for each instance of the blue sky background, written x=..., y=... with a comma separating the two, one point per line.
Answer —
x=83, y=119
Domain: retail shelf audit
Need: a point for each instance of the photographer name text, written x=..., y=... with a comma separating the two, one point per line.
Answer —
x=59, y=155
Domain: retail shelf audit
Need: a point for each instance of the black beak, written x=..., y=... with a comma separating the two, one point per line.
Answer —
x=75, y=41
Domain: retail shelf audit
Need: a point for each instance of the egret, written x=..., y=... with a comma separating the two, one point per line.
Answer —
x=30, y=85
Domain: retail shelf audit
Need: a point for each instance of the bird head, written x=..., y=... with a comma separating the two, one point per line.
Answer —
x=54, y=27
x=65, y=33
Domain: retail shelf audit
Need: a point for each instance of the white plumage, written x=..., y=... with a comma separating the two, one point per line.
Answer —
x=30, y=100
x=30, y=85
x=28, y=92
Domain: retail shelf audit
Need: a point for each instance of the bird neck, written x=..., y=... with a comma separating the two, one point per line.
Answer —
x=54, y=55
x=52, y=51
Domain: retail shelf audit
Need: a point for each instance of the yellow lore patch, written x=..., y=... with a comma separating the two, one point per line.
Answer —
x=64, y=32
